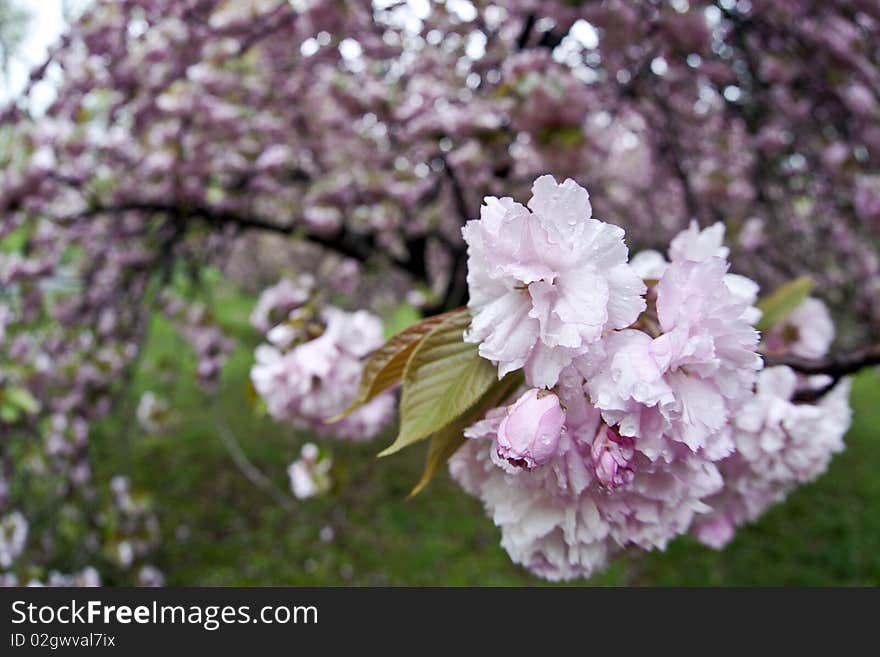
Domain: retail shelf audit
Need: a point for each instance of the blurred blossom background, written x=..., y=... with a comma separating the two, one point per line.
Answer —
x=178, y=177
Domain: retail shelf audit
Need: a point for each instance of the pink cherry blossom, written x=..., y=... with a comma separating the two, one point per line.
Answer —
x=698, y=245
x=276, y=302
x=780, y=444
x=310, y=473
x=807, y=331
x=686, y=383
x=13, y=536
x=613, y=457
x=561, y=521
x=529, y=432
x=307, y=382
x=546, y=281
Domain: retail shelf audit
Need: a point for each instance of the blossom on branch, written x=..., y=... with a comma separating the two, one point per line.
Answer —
x=662, y=431
x=779, y=445
x=546, y=281
x=277, y=302
x=311, y=369
x=807, y=331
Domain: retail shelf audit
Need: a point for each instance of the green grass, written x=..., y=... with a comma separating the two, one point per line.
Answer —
x=219, y=529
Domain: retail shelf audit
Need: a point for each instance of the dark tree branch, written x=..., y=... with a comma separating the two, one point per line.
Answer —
x=456, y=289
x=836, y=367
x=360, y=247
x=668, y=150
x=523, y=38
x=550, y=39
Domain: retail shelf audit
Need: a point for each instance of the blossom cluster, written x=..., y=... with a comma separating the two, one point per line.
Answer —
x=646, y=412
x=310, y=368
x=129, y=533
x=209, y=344
x=87, y=577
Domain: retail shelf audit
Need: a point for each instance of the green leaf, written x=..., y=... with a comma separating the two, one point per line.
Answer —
x=779, y=305
x=9, y=414
x=385, y=366
x=402, y=317
x=22, y=399
x=14, y=241
x=565, y=135
x=445, y=442
x=443, y=378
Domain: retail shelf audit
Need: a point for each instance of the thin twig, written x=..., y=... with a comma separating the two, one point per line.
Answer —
x=244, y=465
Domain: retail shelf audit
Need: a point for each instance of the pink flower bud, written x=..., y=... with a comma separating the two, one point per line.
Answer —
x=529, y=432
x=612, y=456
x=715, y=532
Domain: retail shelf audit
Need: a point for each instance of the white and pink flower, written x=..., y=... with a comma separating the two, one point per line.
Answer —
x=652, y=427
x=546, y=281
x=308, y=382
x=780, y=444
x=807, y=331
